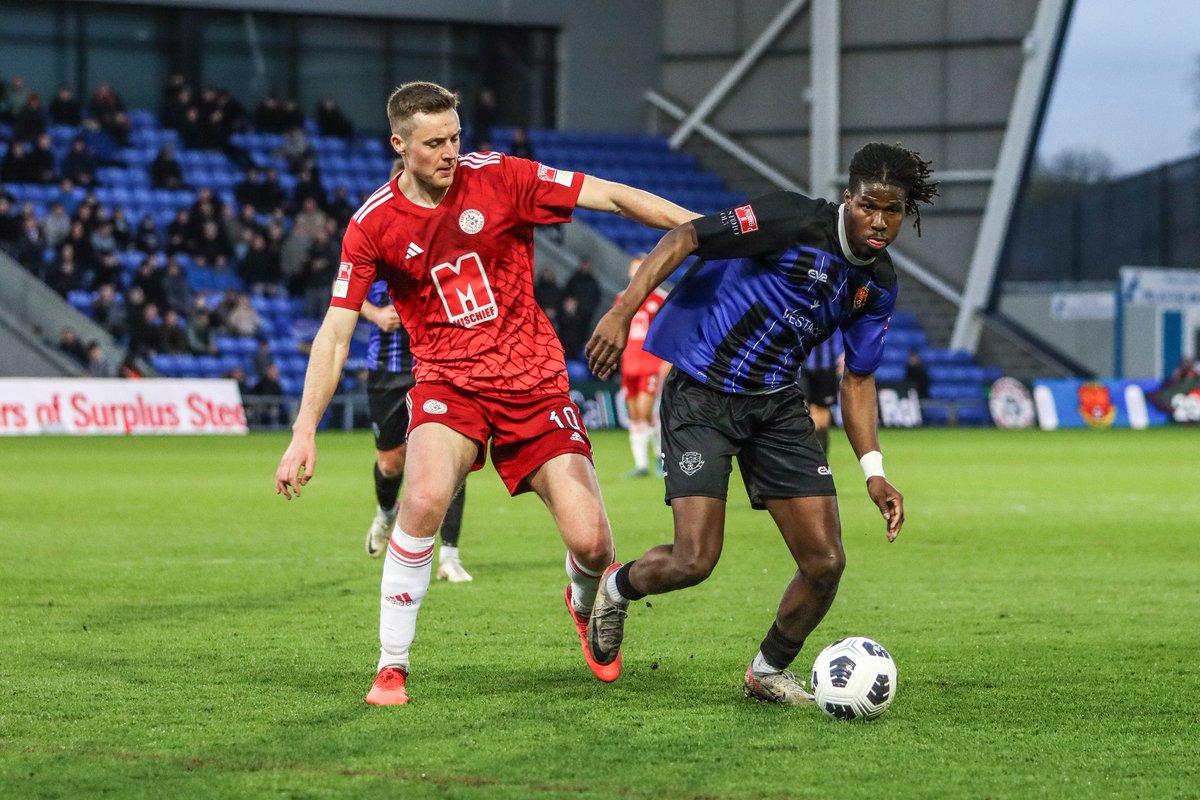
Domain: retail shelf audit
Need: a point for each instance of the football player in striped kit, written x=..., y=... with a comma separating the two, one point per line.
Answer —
x=777, y=276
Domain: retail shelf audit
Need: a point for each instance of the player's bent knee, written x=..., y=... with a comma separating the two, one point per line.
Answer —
x=824, y=572
x=691, y=571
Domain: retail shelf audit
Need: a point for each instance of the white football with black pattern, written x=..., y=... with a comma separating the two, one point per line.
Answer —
x=854, y=679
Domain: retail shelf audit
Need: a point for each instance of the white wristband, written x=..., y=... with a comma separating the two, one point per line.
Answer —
x=872, y=464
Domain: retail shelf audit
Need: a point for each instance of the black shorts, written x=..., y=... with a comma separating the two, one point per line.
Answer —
x=772, y=436
x=387, y=396
x=821, y=387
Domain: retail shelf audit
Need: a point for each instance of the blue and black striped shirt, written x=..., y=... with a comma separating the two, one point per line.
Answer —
x=776, y=278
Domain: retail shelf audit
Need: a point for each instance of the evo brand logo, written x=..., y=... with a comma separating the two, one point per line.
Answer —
x=818, y=276
x=824, y=471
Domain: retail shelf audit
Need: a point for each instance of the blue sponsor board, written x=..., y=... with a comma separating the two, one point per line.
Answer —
x=1074, y=403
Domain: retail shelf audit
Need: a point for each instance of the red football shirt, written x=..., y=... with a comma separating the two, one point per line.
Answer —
x=461, y=275
x=635, y=360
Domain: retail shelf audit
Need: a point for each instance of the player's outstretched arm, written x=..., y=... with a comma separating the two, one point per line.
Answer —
x=603, y=349
x=598, y=194
x=859, y=415
x=325, y=361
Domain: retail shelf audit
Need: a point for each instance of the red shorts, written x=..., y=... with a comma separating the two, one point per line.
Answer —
x=641, y=383
x=525, y=432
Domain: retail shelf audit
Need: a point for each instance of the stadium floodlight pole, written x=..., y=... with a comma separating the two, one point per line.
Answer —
x=736, y=72
x=1042, y=46
x=824, y=112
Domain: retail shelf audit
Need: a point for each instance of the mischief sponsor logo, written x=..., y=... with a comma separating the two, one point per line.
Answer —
x=746, y=220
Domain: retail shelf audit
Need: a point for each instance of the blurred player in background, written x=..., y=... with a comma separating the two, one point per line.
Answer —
x=778, y=276
x=641, y=378
x=389, y=379
x=453, y=238
x=822, y=376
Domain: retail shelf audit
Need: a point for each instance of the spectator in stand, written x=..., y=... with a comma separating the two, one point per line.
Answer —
x=121, y=230
x=548, y=294
x=145, y=237
x=107, y=269
x=916, y=374
x=81, y=244
x=242, y=320
x=165, y=170
x=42, y=154
x=341, y=208
x=177, y=292
x=70, y=344
x=207, y=208
x=192, y=131
x=30, y=247
x=98, y=365
x=269, y=386
x=272, y=195
x=67, y=194
x=107, y=108
x=248, y=191
x=270, y=116
x=103, y=240
x=200, y=335
x=108, y=312
x=520, y=147
x=574, y=325
x=263, y=357
x=319, y=272
x=173, y=337
x=146, y=335
x=79, y=166
x=308, y=185
x=65, y=108
x=331, y=121
x=260, y=266
x=582, y=285
x=239, y=229
x=30, y=120
x=297, y=150
x=18, y=166
x=213, y=249
x=179, y=232
x=10, y=224
x=55, y=225
x=64, y=274
x=148, y=278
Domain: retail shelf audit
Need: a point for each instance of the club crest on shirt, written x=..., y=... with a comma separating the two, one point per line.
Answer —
x=691, y=462
x=434, y=407
x=860, y=297
x=471, y=221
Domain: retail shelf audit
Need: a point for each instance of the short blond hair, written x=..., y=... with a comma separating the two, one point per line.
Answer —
x=417, y=97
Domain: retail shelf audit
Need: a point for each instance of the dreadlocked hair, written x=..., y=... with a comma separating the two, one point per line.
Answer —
x=897, y=166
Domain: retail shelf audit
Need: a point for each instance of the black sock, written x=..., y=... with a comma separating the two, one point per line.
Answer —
x=624, y=587
x=452, y=523
x=387, y=489
x=778, y=650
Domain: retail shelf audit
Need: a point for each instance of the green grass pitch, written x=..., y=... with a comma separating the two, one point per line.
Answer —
x=171, y=628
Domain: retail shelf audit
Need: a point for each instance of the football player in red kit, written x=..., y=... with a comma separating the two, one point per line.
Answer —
x=453, y=237
x=641, y=378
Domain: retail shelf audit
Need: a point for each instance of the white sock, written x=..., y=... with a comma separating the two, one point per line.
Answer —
x=406, y=571
x=610, y=586
x=447, y=553
x=760, y=666
x=584, y=583
x=639, y=438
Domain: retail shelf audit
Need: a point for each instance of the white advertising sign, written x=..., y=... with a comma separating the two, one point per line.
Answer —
x=83, y=406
